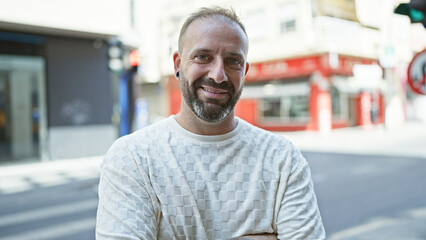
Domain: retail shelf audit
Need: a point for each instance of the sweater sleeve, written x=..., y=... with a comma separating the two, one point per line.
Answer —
x=299, y=216
x=127, y=208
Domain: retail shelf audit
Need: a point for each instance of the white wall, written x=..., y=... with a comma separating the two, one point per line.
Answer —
x=80, y=141
x=96, y=16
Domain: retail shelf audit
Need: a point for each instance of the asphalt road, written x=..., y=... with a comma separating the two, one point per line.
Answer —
x=370, y=197
x=63, y=212
x=360, y=197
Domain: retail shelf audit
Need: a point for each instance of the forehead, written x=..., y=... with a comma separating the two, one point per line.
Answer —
x=215, y=32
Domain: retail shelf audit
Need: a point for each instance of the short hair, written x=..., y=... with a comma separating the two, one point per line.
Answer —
x=206, y=12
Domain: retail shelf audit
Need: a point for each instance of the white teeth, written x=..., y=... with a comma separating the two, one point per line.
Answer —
x=210, y=91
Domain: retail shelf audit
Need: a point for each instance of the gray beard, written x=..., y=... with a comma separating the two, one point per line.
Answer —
x=201, y=109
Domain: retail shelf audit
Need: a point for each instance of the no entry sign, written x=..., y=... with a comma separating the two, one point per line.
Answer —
x=417, y=73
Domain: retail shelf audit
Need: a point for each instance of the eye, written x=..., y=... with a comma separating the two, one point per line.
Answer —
x=202, y=57
x=234, y=61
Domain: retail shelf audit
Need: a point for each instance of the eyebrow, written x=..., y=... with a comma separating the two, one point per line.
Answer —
x=237, y=55
x=202, y=50
x=206, y=50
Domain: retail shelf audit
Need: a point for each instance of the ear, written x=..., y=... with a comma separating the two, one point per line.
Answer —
x=176, y=61
x=247, y=68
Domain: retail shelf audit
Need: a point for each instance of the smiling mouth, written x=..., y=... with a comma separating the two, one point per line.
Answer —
x=212, y=95
x=213, y=90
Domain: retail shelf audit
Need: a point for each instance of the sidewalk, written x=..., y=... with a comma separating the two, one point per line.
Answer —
x=406, y=140
x=23, y=177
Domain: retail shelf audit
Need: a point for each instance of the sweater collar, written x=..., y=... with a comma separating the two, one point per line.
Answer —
x=205, y=138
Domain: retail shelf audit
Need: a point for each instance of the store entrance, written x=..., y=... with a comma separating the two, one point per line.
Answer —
x=22, y=109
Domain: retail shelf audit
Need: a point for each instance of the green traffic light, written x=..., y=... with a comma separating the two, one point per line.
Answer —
x=415, y=15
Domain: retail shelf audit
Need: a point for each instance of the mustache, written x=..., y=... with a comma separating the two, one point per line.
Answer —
x=226, y=85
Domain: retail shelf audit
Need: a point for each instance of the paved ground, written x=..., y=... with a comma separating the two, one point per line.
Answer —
x=406, y=140
x=27, y=176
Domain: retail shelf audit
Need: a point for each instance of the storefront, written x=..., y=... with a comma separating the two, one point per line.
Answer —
x=22, y=107
x=319, y=93
x=55, y=97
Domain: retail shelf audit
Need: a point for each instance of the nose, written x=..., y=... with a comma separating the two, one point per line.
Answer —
x=217, y=72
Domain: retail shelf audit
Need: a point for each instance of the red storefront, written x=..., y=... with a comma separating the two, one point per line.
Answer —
x=308, y=93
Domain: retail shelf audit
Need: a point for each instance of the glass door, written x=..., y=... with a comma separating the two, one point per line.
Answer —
x=23, y=123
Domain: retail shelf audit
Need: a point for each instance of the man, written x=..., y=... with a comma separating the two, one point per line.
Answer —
x=204, y=173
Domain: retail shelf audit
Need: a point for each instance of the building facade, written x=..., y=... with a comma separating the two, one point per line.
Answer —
x=314, y=64
x=56, y=90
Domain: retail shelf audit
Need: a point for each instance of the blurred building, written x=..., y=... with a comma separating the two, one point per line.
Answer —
x=56, y=88
x=315, y=64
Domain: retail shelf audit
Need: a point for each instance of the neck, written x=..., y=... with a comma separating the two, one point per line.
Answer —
x=192, y=123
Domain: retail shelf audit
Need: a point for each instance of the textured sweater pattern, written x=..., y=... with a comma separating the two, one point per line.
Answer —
x=163, y=182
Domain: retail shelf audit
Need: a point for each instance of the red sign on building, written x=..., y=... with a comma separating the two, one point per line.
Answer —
x=301, y=67
x=283, y=68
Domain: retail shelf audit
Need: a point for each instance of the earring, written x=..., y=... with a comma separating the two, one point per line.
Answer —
x=177, y=74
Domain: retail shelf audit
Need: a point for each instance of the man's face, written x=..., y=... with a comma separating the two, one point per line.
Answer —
x=212, y=67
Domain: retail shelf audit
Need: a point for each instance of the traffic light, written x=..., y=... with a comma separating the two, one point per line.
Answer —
x=115, y=54
x=134, y=60
x=415, y=10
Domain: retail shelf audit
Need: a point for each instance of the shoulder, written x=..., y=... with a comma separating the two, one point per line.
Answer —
x=274, y=146
x=153, y=131
x=260, y=136
x=135, y=145
x=146, y=135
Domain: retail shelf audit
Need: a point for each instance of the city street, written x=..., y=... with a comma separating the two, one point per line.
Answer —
x=62, y=212
x=360, y=197
x=370, y=197
x=53, y=200
x=343, y=81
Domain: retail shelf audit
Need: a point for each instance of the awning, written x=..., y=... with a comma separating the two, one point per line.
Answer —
x=356, y=85
x=276, y=90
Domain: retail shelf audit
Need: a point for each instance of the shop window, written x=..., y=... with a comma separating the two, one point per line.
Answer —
x=339, y=104
x=287, y=15
x=298, y=108
x=22, y=108
x=285, y=109
x=271, y=108
x=288, y=26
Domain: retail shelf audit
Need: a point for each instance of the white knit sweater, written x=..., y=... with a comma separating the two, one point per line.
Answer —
x=163, y=182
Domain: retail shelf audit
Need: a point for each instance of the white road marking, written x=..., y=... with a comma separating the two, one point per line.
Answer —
x=12, y=185
x=417, y=215
x=48, y=212
x=20, y=183
x=319, y=177
x=355, y=231
x=56, y=231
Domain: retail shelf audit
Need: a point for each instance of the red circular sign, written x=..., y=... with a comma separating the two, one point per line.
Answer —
x=417, y=73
